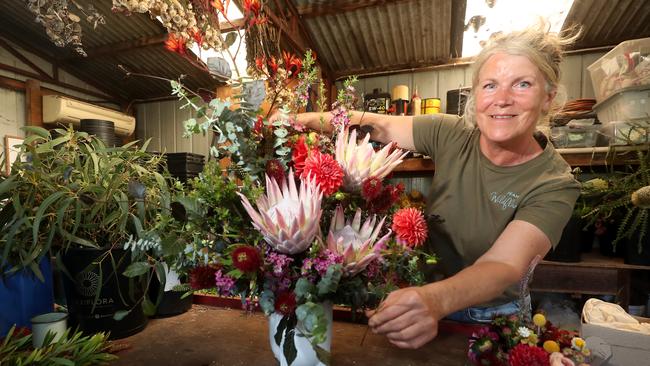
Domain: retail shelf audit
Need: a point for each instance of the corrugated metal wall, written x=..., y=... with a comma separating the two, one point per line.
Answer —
x=12, y=103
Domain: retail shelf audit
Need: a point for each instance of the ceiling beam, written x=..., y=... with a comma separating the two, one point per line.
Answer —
x=341, y=6
x=458, y=11
x=120, y=47
x=4, y=44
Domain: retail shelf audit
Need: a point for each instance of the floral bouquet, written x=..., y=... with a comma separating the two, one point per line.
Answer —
x=331, y=229
x=511, y=341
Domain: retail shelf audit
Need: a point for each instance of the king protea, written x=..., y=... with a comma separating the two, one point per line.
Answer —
x=360, y=161
x=357, y=244
x=288, y=218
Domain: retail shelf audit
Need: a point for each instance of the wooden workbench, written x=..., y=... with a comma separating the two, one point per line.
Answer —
x=593, y=275
x=212, y=336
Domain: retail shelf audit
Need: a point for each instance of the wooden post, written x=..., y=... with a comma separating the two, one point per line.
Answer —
x=33, y=103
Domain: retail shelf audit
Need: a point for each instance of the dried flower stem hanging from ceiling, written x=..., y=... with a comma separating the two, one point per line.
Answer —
x=62, y=25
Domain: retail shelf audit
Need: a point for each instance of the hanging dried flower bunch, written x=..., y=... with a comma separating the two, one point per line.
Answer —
x=188, y=22
x=62, y=25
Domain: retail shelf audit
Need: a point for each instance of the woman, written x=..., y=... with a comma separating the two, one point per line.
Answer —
x=502, y=194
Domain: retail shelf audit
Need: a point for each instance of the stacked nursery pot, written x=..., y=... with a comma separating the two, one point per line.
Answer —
x=104, y=130
x=184, y=165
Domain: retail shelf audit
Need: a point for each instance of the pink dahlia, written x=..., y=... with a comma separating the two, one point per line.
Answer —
x=525, y=355
x=410, y=227
x=325, y=171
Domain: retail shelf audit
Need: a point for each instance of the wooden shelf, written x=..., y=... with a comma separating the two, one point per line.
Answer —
x=576, y=157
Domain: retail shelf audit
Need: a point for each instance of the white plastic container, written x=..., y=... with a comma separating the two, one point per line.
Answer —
x=626, y=105
x=55, y=323
x=622, y=133
x=575, y=136
x=627, y=65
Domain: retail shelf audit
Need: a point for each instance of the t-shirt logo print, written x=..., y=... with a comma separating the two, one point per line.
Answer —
x=505, y=200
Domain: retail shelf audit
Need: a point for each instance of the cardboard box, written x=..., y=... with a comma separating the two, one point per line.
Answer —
x=627, y=348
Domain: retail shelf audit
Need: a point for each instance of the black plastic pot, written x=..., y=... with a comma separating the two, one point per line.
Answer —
x=632, y=254
x=569, y=247
x=171, y=303
x=94, y=313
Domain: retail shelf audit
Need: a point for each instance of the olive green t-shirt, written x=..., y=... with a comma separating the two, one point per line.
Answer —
x=472, y=200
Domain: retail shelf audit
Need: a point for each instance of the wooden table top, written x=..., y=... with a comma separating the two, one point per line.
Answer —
x=211, y=336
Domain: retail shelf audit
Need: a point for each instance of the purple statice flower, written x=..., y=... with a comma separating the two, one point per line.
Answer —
x=374, y=269
x=325, y=260
x=225, y=284
x=280, y=263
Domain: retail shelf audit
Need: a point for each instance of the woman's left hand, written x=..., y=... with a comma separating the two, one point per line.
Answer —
x=406, y=318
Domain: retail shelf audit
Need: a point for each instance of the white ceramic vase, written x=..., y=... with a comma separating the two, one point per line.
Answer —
x=55, y=323
x=306, y=356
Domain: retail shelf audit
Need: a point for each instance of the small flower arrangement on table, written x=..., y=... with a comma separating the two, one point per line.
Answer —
x=512, y=341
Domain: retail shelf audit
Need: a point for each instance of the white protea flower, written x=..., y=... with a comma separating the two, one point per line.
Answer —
x=288, y=218
x=361, y=161
x=357, y=244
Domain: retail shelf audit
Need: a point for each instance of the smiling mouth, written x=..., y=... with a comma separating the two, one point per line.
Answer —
x=503, y=116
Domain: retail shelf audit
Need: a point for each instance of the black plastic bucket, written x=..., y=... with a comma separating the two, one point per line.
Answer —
x=91, y=271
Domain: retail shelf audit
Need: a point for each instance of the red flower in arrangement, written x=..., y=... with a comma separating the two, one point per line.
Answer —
x=272, y=65
x=220, y=5
x=258, y=126
x=285, y=303
x=259, y=63
x=275, y=170
x=371, y=188
x=176, y=44
x=202, y=277
x=388, y=196
x=246, y=259
x=410, y=226
x=325, y=169
x=299, y=154
x=292, y=63
x=525, y=355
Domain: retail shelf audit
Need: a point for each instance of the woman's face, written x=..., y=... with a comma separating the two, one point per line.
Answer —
x=510, y=98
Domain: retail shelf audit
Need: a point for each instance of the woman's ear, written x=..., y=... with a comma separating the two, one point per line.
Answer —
x=548, y=102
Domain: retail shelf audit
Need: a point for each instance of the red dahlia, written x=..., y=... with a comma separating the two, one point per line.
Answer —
x=202, y=277
x=246, y=259
x=410, y=226
x=371, y=188
x=285, y=303
x=325, y=170
x=275, y=170
x=525, y=355
x=299, y=153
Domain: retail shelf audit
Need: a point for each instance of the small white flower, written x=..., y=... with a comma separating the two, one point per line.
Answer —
x=523, y=332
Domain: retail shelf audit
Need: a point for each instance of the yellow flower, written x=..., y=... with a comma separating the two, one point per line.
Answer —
x=539, y=320
x=577, y=343
x=551, y=346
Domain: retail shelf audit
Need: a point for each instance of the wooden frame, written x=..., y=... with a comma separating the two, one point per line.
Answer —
x=11, y=153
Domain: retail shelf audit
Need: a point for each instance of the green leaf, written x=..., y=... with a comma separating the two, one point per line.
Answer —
x=231, y=37
x=41, y=210
x=7, y=185
x=303, y=289
x=40, y=131
x=120, y=314
x=330, y=282
x=148, y=308
x=136, y=269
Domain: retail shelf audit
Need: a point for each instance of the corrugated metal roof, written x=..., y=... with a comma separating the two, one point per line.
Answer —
x=609, y=22
x=142, y=50
x=357, y=37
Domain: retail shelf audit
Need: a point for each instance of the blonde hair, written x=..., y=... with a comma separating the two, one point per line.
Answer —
x=542, y=48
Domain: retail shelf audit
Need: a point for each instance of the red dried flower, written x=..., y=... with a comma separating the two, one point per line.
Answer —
x=325, y=169
x=202, y=277
x=246, y=259
x=176, y=44
x=525, y=355
x=198, y=37
x=259, y=125
x=220, y=5
x=285, y=303
x=410, y=226
x=259, y=63
x=272, y=65
x=275, y=170
x=252, y=6
x=371, y=188
x=291, y=63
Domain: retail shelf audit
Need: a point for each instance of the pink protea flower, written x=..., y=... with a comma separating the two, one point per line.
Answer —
x=410, y=227
x=288, y=218
x=357, y=244
x=360, y=161
x=325, y=170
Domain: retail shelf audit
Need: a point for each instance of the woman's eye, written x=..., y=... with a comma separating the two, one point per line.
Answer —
x=523, y=84
x=489, y=86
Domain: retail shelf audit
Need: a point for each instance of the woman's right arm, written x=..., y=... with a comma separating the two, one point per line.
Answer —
x=385, y=128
